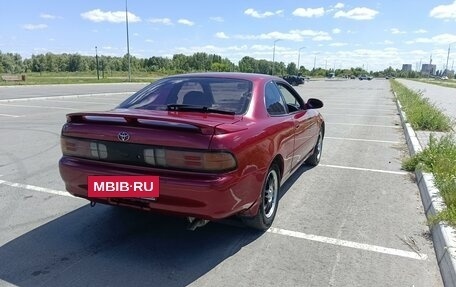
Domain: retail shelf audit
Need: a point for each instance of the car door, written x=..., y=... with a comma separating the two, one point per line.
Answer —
x=305, y=123
x=280, y=124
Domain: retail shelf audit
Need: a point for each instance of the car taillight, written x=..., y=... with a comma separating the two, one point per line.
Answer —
x=210, y=161
x=83, y=148
x=160, y=157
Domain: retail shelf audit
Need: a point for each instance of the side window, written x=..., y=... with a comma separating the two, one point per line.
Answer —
x=273, y=100
x=293, y=103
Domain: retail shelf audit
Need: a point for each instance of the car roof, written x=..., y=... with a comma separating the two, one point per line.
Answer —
x=230, y=75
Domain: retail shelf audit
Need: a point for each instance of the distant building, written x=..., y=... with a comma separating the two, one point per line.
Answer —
x=406, y=67
x=428, y=69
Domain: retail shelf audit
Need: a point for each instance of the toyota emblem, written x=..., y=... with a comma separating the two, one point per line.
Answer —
x=123, y=136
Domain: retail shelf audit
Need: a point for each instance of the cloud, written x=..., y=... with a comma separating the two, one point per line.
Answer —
x=339, y=5
x=396, y=31
x=420, y=31
x=216, y=19
x=185, y=22
x=309, y=12
x=256, y=14
x=221, y=35
x=419, y=40
x=438, y=39
x=272, y=36
x=48, y=16
x=293, y=35
x=98, y=15
x=322, y=38
x=444, y=11
x=163, y=21
x=32, y=27
x=338, y=44
x=358, y=13
x=336, y=31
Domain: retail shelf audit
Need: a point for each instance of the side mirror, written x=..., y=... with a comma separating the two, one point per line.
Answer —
x=313, y=104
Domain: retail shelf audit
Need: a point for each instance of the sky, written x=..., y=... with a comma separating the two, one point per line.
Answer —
x=328, y=34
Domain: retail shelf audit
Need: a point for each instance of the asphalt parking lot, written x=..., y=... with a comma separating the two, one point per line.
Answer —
x=354, y=220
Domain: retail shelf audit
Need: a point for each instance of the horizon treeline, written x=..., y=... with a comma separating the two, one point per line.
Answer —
x=13, y=63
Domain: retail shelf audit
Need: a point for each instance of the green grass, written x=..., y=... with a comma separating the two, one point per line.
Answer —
x=439, y=158
x=82, y=78
x=421, y=113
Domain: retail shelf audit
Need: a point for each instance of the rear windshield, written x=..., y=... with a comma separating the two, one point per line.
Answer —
x=232, y=95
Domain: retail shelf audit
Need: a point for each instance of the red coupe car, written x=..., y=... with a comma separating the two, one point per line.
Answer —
x=216, y=144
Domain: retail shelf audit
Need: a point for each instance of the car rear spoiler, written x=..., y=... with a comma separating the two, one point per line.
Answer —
x=157, y=121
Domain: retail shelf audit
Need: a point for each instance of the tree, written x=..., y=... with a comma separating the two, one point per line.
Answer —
x=11, y=63
x=291, y=69
x=263, y=67
x=74, y=63
x=247, y=65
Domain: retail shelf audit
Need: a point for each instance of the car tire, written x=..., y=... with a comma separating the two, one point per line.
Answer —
x=314, y=159
x=269, y=201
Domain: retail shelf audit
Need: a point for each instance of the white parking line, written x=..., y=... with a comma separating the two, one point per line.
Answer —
x=295, y=234
x=10, y=116
x=65, y=97
x=352, y=115
x=317, y=238
x=362, y=140
x=363, y=125
x=370, y=110
x=364, y=169
x=79, y=102
x=36, y=188
x=350, y=244
x=332, y=104
x=39, y=107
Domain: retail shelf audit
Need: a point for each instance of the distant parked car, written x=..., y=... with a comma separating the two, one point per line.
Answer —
x=444, y=78
x=365, y=77
x=294, y=80
x=220, y=144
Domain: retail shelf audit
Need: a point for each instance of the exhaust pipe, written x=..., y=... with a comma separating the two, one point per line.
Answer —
x=194, y=223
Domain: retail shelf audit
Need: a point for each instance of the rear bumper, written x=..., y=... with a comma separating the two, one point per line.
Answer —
x=198, y=195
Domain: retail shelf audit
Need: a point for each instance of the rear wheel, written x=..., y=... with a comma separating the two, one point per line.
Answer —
x=314, y=159
x=269, y=201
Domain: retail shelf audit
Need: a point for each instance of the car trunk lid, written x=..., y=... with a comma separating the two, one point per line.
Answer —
x=159, y=128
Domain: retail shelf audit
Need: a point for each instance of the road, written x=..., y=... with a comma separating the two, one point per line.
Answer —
x=443, y=97
x=354, y=220
x=14, y=92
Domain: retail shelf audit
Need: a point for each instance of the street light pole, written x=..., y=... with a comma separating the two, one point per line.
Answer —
x=448, y=56
x=299, y=57
x=96, y=60
x=273, y=56
x=128, y=42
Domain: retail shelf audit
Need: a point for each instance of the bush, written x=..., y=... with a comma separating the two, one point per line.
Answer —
x=439, y=158
x=421, y=113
